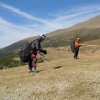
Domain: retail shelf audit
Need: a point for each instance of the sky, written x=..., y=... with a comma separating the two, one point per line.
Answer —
x=20, y=19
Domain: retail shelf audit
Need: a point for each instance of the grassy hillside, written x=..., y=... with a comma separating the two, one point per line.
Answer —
x=60, y=78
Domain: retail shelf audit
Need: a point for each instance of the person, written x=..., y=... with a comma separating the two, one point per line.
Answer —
x=77, y=46
x=35, y=47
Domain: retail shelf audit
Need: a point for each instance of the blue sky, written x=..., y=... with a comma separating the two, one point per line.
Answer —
x=20, y=19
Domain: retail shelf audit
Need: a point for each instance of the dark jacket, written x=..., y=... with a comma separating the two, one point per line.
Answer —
x=36, y=46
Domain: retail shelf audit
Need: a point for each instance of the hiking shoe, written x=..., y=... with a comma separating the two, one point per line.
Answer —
x=34, y=70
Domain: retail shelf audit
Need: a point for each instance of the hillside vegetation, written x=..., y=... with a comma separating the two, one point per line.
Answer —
x=10, y=61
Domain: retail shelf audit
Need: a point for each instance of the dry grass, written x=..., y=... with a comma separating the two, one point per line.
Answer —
x=60, y=78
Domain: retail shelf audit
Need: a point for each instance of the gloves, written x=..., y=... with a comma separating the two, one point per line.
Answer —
x=44, y=51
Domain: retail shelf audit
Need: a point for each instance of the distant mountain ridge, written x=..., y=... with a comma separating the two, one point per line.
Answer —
x=88, y=30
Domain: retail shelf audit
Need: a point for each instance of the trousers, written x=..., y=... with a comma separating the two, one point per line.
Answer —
x=32, y=61
x=76, y=52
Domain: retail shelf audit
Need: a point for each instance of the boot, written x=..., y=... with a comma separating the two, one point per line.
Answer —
x=34, y=70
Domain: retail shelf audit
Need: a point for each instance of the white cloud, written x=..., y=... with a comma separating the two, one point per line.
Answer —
x=23, y=14
x=10, y=32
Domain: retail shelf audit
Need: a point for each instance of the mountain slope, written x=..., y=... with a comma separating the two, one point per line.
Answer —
x=88, y=30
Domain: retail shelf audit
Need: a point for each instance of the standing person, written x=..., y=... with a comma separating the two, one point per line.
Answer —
x=77, y=46
x=36, y=46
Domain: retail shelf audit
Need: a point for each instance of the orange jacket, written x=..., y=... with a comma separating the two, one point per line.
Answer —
x=77, y=45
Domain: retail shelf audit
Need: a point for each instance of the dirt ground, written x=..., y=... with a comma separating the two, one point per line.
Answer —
x=60, y=78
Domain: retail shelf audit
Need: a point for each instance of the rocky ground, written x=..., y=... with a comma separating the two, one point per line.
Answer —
x=60, y=78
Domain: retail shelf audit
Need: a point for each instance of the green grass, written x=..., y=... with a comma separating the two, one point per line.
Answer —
x=9, y=62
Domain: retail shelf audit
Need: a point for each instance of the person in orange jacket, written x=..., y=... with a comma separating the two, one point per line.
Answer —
x=77, y=46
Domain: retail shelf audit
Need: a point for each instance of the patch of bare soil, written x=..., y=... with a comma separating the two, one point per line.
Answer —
x=60, y=78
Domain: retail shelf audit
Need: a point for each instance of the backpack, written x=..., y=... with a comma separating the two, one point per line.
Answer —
x=72, y=46
x=24, y=53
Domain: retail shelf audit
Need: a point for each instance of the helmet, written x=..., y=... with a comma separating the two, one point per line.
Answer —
x=42, y=36
x=78, y=39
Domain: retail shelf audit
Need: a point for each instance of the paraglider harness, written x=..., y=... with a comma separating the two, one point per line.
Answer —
x=24, y=53
x=72, y=46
